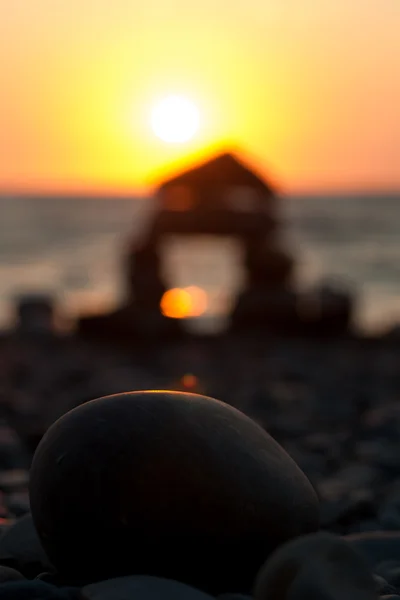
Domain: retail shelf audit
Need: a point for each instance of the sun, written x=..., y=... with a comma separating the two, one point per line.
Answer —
x=175, y=119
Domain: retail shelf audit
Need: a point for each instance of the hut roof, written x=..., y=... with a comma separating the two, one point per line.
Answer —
x=224, y=169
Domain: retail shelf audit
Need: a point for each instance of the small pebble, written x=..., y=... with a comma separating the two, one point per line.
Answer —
x=141, y=588
x=20, y=548
x=36, y=590
x=390, y=570
x=315, y=566
x=8, y=574
x=234, y=597
x=383, y=588
x=376, y=546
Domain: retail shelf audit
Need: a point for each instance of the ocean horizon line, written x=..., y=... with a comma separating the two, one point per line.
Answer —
x=345, y=193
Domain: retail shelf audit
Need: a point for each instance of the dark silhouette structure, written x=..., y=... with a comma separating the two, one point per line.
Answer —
x=35, y=314
x=221, y=197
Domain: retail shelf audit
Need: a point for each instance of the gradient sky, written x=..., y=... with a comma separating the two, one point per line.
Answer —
x=309, y=89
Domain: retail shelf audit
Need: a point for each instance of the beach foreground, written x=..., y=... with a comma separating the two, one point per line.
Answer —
x=331, y=404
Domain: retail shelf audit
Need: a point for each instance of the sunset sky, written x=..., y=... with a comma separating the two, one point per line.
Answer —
x=309, y=89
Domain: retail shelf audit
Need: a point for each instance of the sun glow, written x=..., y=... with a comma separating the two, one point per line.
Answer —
x=175, y=119
x=184, y=303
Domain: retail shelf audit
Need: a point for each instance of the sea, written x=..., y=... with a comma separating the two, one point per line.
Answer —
x=72, y=248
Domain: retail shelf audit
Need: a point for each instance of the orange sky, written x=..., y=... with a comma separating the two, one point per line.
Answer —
x=309, y=88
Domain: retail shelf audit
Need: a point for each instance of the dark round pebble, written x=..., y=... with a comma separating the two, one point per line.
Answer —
x=390, y=570
x=141, y=588
x=234, y=597
x=383, y=588
x=143, y=482
x=21, y=549
x=8, y=574
x=319, y=565
x=36, y=590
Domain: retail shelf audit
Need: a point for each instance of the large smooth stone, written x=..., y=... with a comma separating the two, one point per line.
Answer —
x=167, y=484
x=21, y=549
x=317, y=566
x=141, y=588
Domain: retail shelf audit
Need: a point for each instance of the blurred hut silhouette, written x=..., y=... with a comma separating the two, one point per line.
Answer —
x=220, y=197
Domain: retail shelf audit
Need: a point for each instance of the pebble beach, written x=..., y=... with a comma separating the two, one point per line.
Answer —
x=332, y=405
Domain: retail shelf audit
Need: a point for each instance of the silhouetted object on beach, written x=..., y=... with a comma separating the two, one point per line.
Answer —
x=145, y=281
x=324, y=311
x=165, y=484
x=35, y=314
x=139, y=315
x=268, y=301
x=267, y=311
x=267, y=265
x=327, y=310
x=221, y=197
